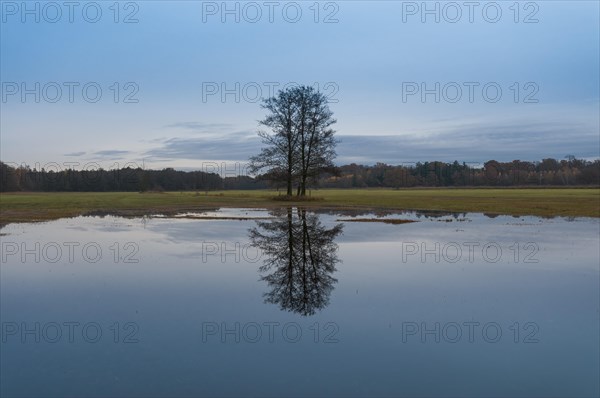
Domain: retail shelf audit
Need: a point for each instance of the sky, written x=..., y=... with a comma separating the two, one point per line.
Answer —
x=179, y=83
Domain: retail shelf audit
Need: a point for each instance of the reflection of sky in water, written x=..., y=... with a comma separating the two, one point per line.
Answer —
x=177, y=285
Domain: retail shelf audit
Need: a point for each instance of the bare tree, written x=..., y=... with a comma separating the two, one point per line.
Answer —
x=301, y=143
x=279, y=156
x=317, y=140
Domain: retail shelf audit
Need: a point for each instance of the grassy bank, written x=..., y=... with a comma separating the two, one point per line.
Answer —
x=22, y=207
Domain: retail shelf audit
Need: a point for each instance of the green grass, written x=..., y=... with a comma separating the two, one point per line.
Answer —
x=23, y=207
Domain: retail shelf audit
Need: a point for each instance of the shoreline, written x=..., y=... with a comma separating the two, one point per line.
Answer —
x=17, y=207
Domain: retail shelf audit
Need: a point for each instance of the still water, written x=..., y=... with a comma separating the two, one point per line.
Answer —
x=296, y=303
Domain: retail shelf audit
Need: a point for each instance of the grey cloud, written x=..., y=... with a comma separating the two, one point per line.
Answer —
x=108, y=155
x=199, y=126
x=75, y=154
x=111, y=153
x=471, y=143
x=237, y=146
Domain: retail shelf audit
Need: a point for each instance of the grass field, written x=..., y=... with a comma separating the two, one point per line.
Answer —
x=23, y=207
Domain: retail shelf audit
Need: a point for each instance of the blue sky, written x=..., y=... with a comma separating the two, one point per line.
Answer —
x=367, y=61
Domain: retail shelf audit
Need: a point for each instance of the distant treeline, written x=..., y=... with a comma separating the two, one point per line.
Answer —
x=439, y=174
x=548, y=172
x=124, y=179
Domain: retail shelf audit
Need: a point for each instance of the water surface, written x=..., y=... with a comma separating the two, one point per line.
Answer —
x=298, y=303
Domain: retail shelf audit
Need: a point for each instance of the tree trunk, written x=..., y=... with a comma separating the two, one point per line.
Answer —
x=289, y=175
x=289, y=186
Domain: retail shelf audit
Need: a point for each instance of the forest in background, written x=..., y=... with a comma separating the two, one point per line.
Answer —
x=548, y=172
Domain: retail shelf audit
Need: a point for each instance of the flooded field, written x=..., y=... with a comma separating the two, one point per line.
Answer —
x=238, y=302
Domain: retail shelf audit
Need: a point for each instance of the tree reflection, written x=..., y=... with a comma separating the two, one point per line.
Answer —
x=300, y=257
